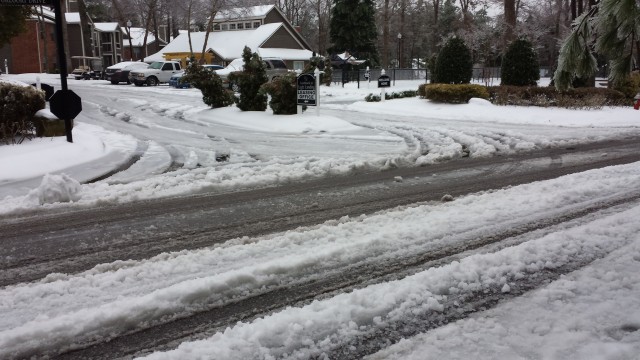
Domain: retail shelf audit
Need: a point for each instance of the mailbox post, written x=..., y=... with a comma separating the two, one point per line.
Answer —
x=383, y=82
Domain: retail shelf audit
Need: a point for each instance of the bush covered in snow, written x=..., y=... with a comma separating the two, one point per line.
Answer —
x=209, y=83
x=393, y=95
x=520, y=65
x=18, y=106
x=452, y=93
x=249, y=81
x=283, y=94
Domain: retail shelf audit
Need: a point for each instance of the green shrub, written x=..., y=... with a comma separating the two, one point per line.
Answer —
x=520, y=65
x=454, y=65
x=579, y=98
x=209, y=83
x=249, y=81
x=454, y=93
x=283, y=94
x=630, y=86
x=18, y=106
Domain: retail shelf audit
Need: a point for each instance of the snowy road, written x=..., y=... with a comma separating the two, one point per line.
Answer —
x=329, y=239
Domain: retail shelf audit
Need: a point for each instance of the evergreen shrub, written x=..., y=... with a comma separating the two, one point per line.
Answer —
x=209, y=83
x=520, y=65
x=454, y=64
x=18, y=106
x=250, y=80
x=453, y=93
x=283, y=94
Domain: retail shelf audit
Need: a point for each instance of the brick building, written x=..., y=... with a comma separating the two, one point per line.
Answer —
x=33, y=51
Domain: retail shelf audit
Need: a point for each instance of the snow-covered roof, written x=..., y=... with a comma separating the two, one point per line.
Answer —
x=137, y=37
x=241, y=13
x=227, y=44
x=286, y=54
x=72, y=18
x=107, y=26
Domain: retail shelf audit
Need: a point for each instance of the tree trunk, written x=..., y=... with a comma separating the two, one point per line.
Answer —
x=386, y=17
x=509, y=22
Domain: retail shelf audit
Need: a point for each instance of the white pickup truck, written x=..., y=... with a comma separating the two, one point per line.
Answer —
x=158, y=72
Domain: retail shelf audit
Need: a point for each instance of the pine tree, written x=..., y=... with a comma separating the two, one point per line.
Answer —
x=615, y=24
x=249, y=81
x=353, y=28
x=520, y=65
x=13, y=21
x=454, y=64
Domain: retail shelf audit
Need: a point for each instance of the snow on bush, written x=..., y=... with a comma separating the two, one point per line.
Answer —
x=56, y=188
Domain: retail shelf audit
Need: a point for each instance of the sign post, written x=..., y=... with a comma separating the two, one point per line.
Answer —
x=383, y=83
x=67, y=99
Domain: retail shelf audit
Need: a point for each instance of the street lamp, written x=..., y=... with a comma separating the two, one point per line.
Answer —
x=399, y=41
x=397, y=59
x=129, y=35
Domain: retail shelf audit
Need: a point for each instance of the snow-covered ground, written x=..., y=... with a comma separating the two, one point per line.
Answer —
x=591, y=313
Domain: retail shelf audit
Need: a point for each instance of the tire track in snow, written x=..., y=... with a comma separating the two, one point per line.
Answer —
x=359, y=275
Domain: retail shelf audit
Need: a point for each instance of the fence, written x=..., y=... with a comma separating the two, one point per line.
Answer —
x=489, y=76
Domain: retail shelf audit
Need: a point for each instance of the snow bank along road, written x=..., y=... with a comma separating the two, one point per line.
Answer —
x=108, y=273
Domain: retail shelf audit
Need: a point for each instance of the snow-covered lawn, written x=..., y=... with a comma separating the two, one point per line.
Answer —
x=591, y=313
x=173, y=140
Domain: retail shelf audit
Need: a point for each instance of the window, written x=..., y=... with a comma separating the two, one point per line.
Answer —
x=167, y=66
x=232, y=26
x=247, y=25
x=224, y=27
x=256, y=24
x=216, y=27
x=240, y=26
x=298, y=65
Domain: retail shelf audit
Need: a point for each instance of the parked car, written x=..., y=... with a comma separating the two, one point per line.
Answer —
x=120, y=72
x=157, y=73
x=175, y=79
x=275, y=67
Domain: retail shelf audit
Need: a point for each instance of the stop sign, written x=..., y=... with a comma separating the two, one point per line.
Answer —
x=65, y=104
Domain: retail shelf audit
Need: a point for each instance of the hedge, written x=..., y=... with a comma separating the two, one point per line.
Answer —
x=579, y=98
x=452, y=93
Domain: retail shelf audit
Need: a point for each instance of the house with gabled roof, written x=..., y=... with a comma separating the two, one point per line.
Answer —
x=264, y=29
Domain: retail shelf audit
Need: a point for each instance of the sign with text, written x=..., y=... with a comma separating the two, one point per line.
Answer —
x=384, y=81
x=307, y=94
x=25, y=2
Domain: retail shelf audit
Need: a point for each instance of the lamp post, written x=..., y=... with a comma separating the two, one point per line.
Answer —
x=397, y=59
x=129, y=35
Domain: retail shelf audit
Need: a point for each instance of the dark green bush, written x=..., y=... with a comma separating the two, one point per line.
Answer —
x=18, y=106
x=249, y=81
x=454, y=64
x=283, y=94
x=454, y=93
x=520, y=65
x=209, y=83
x=579, y=98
